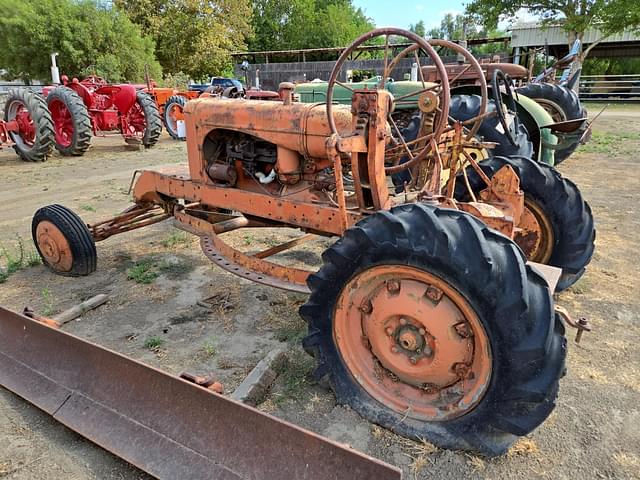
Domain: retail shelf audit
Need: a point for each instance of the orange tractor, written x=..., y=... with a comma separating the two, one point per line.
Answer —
x=27, y=126
x=425, y=316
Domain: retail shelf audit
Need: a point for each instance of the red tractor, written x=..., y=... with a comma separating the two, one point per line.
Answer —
x=89, y=107
x=27, y=126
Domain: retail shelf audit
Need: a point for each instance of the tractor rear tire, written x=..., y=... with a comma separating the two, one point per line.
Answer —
x=64, y=241
x=559, y=204
x=465, y=107
x=71, y=121
x=175, y=102
x=153, y=121
x=39, y=147
x=561, y=103
x=474, y=264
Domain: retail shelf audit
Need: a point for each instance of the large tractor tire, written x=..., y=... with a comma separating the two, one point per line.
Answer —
x=555, y=212
x=429, y=323
x=465, y=107
x=173, y=111
x=561, y=103
x=33, y=142
x=71, y=121
x=143, y=120
x=63, y=241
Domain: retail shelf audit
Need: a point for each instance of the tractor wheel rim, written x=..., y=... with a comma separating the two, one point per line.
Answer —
x=535, y=237
x=26, y=134
x=413, y=342
x=172, y=117
x=553, y=109
x=136, y=121
x=63, y=123
x=54, y=247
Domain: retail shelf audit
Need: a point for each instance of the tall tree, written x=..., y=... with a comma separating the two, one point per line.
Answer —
x=193, y=36
x=88, y=37
x=418, y=28
x=296, y=24
x=576, y=16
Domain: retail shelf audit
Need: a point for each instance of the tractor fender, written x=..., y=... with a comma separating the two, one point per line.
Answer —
x=124, y=98
x=82, y=91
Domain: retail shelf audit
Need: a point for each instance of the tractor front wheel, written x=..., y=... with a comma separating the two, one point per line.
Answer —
x=429, y=323
x=557, y=226
x=63, y=241
x=174, y=111
x=34, y=138
x=71, y=121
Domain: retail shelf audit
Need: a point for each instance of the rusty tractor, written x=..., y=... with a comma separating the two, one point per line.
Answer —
x=425, y=317
x=27, y=126
x=171, y=102
x=81, y=109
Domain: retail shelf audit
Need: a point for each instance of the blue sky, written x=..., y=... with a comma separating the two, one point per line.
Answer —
x=401, y=13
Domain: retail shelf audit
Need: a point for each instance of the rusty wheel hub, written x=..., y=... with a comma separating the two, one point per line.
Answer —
x=535, y=235
x=54, y=247
x=413, y=342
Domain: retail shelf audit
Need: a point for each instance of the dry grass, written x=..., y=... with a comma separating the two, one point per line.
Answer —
x=524, y=446
x=627, y=460
x=476, y=463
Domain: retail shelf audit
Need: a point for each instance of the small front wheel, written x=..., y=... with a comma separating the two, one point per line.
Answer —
x=63, y=241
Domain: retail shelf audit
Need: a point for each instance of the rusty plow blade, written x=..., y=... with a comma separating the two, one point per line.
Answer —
x=164, y=425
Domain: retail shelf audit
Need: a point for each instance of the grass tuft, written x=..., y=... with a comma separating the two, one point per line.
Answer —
x=153, y=343
x=143, y=272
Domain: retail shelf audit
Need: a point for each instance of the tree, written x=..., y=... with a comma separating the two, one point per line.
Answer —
x=88, y=37
x=418, y=28
x=464, y=27
x=193, y=36
x=297, y=24
x=575, y=16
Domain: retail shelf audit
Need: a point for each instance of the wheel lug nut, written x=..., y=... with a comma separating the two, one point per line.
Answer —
x=422, y=331
x=366, y=307
x=413, y=360
x=394, y=349
x=403, y=321
x=393, y=286
x=389, y=331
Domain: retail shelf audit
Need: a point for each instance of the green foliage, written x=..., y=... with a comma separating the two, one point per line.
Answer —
x=418, y=28
x=16, y=260
x=457, y=27
x=89, y=36
x=143, y=272
x=47, y=299
x=178, y=80
x=609, y=16
x=176, y=238
x=296, y=24
x=610, y=66
x=192, y=36
x=153, y=343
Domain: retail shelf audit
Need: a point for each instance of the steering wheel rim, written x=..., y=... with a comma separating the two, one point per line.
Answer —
x=500, y=77
x=440, y=124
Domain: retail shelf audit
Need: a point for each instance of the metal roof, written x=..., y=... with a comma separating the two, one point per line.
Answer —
x=534, y=35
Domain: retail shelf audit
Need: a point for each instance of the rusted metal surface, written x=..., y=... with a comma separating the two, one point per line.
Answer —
x=54, y=247
x=582, y=324
x=413, y=342
x=135, y=217
x=164, y=425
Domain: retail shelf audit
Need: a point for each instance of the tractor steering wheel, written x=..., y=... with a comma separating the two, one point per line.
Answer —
x=429, y=97
x=499, y=77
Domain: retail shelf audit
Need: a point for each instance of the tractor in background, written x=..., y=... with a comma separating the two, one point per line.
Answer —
x=27, y=126
x=90, y=107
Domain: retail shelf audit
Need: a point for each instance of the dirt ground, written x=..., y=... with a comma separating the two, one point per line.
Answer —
x=593, y=433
